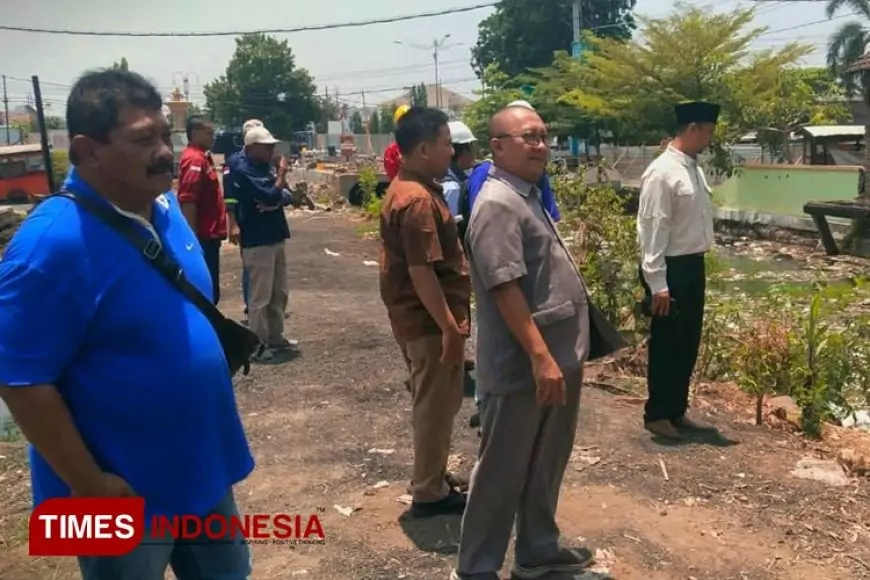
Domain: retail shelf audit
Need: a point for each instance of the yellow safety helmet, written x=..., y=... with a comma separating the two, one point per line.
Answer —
x=400, y=112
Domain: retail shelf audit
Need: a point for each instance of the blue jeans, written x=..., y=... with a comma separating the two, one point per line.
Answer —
x=189, y=559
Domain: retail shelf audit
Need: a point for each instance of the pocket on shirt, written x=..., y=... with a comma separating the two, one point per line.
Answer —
x=552, y=314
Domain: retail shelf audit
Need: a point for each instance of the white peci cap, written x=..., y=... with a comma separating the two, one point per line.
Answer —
x=523, y=104
x=259, y=136
x=460, y=134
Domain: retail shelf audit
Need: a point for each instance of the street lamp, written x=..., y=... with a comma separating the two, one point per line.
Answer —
x=185, y=79
x=436, y=47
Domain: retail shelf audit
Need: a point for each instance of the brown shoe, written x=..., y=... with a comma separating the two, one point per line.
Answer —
x=663, y=428
x=686, y=424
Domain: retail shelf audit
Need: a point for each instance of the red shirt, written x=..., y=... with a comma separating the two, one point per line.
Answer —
x=199, y=184
x=392, y=160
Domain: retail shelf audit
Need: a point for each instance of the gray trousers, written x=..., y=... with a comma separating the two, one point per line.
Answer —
x=523, y=454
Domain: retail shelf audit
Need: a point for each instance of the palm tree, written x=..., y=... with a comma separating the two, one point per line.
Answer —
x=849, y=58
x=849, y=42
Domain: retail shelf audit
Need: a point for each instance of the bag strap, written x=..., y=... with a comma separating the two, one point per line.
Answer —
x=151, y=251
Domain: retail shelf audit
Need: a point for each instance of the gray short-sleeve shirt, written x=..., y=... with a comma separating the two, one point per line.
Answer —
x=511, y=237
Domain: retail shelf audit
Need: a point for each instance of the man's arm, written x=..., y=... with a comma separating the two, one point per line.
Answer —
x=45, y=421
x=422, y=249
x=452, y=189
x=190, y=174
x=654, y=216
x=262, y=188
x=43, y=320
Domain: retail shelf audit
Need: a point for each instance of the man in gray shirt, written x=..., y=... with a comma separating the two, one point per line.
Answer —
x=533, y=337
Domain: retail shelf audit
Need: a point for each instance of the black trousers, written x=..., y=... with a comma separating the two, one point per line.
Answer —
x=212, y=251
x=675, y=339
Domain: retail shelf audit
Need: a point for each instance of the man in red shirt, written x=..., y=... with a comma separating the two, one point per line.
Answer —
x=199, y=193
x=392, y=156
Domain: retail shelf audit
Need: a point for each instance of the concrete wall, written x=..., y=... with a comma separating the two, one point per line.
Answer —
x=758, y=192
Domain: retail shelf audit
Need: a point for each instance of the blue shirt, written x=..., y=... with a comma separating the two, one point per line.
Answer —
x=139, y=366
x=254, y=183
x=452, y=187
x=480, y=174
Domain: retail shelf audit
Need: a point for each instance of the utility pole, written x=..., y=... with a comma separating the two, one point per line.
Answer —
x=6, y=112
x=43, y=132
x=436, y=47
x=577, y=14
x=185, y=81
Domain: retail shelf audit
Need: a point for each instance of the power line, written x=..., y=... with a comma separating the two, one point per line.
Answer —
x=356, y=24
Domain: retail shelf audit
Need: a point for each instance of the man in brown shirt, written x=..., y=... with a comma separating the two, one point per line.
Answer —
x=426, y=288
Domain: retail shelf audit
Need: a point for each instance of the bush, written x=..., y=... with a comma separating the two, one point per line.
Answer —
x=368, y=183
x=603, y=240
x=59, y=166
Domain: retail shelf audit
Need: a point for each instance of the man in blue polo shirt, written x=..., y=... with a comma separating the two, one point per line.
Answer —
x=119, y=382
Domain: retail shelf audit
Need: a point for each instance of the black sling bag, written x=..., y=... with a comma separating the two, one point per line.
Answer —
x=239, y=343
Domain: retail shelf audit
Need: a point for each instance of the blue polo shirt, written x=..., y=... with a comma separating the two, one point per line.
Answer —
x=253, y=183
x=139, y=366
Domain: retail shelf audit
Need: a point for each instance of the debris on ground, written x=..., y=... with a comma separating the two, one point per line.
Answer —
x=330, y=252
x=346, y=511
x=824, y=470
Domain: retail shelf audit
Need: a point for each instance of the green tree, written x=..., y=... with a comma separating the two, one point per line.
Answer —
x=329, y=111
x=688, y=55
x=122, y=64
x=262, y=81
x=386, y=122
x=849, y=41
x=356, y=123
x=523, y=34
x=418, y=96
x=375, y=123
x=497, y=93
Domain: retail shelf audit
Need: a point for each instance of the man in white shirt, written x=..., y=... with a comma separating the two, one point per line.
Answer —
x=675, y=230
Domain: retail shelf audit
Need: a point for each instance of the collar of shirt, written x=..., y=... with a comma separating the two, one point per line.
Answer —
x=75, y=184
x=521, y=186
x=408, y=175
x=681, y=157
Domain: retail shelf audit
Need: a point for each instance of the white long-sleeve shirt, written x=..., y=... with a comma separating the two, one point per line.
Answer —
x=675, y=215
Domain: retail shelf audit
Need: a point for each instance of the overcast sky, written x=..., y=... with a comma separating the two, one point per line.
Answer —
x=348, y=60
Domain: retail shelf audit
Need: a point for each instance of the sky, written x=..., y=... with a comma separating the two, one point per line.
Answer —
x=351, y=62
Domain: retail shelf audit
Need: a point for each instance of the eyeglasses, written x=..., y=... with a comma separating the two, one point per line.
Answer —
x=533, y=139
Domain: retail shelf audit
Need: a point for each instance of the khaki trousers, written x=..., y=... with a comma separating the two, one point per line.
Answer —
x=437, y=397
x=267, y=292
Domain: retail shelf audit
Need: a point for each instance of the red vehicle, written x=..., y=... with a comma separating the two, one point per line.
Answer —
x=22, y=173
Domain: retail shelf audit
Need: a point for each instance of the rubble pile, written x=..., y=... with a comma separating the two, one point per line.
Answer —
x=10, y=219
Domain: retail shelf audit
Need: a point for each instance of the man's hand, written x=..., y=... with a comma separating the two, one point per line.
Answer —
x=283, y=165
x=452, y=349
x=235, y=234
x=549, y=381
x=661, y=303
x=106, y=485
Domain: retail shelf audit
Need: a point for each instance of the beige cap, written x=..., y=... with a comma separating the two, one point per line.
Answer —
x=250, y=124
x=259, y=136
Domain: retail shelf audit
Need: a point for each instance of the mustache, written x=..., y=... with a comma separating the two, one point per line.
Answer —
x=161, y=167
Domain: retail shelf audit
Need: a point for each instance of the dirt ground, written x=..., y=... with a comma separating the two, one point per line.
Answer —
x=329, y=428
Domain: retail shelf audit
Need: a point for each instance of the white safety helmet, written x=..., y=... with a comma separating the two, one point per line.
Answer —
x=460, y=134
